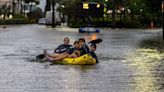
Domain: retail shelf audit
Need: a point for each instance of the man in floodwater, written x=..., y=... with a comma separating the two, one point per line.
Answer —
x=93, y=48
x=63, y=47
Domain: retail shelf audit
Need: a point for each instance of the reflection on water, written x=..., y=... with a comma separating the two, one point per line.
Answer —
x=145, y=62
x=146, y=83
x=90, y=37
x=20, y=74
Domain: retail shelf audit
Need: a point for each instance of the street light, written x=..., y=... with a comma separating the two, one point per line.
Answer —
x=129, y=11
x=2, y=16
x=63, y=15
x=63, y=6
x=10, y=16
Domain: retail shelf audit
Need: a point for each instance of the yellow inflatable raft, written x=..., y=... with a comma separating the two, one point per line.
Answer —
x=82, y=60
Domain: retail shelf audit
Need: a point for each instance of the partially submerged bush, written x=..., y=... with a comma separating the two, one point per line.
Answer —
x=18, y=16
x=153, y=43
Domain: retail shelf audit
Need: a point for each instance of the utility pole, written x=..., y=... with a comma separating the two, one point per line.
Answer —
x=163, y=16
x=21, y=6
x=18, y=2
x=53, y=13
x=13, y=6
x=124, y=2
x=113, y=14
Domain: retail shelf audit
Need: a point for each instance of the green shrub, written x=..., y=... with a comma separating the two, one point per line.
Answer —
x=31, y=21
x=17, y=21
x=18, y=16
x=13, y=21
x=133, y=24
x=153, y=43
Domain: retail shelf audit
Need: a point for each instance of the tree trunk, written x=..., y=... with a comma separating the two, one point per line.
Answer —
x=24, y=9
x=47, y=7
x=13, y=4
x=132, y=15
x=18, y=2
x=69, y=18
x=113, y=14
x=21, y=7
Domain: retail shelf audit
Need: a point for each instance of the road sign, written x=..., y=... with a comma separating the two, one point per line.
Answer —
x=92, y=9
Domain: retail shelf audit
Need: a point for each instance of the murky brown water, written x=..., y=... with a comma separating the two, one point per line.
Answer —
x=19, y=44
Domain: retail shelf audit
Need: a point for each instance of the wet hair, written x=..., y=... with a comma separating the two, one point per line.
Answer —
x=94, y=45
x=76, y=42
x=66, y=38
x=82, y=39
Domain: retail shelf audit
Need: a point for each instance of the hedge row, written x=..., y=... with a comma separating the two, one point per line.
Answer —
x=118, y=24
x=16, y=21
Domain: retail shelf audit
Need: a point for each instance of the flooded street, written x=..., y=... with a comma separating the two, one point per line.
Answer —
x=19, y=44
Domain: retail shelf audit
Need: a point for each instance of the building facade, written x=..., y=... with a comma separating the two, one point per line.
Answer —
x=15, y=5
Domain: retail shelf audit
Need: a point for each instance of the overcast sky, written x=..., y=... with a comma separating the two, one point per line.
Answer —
x=42, y=4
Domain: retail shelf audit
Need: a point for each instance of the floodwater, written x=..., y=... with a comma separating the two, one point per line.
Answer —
x=19, y=44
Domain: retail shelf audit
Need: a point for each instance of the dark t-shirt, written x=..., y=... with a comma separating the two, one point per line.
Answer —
x=62, y=48
x=94, y=56
x=84, y=50
x=71, y=50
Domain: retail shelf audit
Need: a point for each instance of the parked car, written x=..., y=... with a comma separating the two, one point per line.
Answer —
x=42, y=21
x=47, y=21
x=88, y=30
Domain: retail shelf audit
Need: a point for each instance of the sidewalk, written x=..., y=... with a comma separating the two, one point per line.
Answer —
x=63, y=28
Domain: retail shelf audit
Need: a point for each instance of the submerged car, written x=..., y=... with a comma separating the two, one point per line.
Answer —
x=47, y=21
x=42, y=21
x=88, y=30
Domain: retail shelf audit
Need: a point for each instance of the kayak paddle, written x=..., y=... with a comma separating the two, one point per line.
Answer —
x=96, y=41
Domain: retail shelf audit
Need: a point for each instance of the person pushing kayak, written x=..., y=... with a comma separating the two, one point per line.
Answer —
x=84, y=49
x=93, y=48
